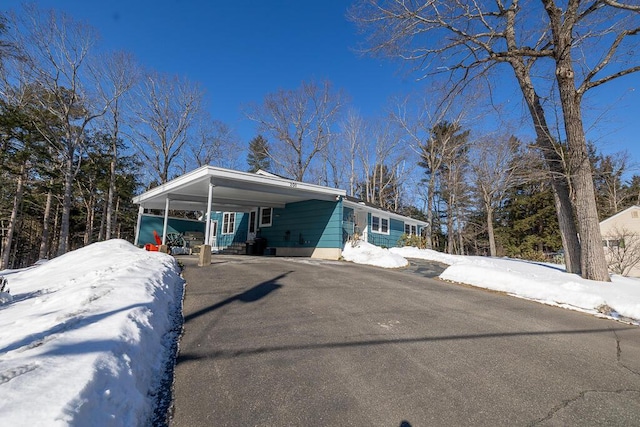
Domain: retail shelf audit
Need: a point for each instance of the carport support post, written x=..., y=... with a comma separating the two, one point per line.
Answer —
x=165, y=225
x=204, y=258
x=140, y=212
x=207, y=232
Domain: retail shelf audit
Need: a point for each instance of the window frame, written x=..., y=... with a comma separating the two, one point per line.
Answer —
x=228, y=223
x=413, y=229
x=381, y=220
x=261, y=216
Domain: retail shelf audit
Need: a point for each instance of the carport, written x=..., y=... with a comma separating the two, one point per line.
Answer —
x=210, y=188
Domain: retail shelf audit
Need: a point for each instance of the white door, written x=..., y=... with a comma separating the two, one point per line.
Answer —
x=213, y=235
x=253, y=225
x=361, y=225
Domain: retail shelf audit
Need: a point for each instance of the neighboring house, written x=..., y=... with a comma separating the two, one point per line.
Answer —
x=265, y=213
x=621, y=239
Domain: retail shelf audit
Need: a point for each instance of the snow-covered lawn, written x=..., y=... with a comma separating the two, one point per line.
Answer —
x=88, y=337
x=547, y=283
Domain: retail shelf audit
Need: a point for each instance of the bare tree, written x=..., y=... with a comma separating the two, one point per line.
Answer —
x=380, y=160
x=432, y=137
x=352, y=137
x=300, y=122
x=54, y=53
x=213, y=143
x=453, y=181
x=117, y=74
x=164, y=109
x=466, y=37
x=622, y=250
x=497, y=164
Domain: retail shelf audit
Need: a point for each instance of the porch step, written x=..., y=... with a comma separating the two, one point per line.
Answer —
x=234, y=249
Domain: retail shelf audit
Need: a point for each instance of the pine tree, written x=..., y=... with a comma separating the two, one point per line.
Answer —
x=258, y=157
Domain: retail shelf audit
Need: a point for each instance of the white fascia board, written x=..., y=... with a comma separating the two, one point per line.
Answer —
x=273, y=181
x=381, y=212
x=171, y=186
x=212, y=172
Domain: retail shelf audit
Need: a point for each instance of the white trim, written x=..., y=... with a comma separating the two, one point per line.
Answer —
x=380, y=219
x=174, y=186
x=225, y=223
x=411, y=225
x=265, y=224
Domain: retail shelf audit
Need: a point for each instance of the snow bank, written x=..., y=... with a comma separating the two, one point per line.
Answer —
x=83, y=341
x=547, y=283
x=362, y=252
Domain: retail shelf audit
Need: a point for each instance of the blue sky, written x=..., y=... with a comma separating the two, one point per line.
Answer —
x=242, y=50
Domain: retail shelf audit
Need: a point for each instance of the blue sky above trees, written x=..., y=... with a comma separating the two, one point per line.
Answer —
x=241, y=51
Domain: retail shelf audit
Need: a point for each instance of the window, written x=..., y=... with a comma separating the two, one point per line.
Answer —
x=229, y=223
x=252, y=222
x=379, y=224
x=615, y=243
x=410, y=229
x=634, y=214
x=266, y=217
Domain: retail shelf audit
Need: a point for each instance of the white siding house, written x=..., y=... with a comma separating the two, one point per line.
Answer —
x=621, y=238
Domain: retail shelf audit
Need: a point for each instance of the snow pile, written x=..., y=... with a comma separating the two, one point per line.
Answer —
x=87, y=337
x=361, y=252
x=547, y=283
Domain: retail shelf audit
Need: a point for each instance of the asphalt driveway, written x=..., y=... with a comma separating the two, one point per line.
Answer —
x=297, y=342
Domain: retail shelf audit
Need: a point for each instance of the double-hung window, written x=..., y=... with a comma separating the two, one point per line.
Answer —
x=266, y=217
x=228, y=223
x=410, y=229
x=379, y=224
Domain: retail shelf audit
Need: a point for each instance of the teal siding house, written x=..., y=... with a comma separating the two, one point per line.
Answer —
x=261, y=213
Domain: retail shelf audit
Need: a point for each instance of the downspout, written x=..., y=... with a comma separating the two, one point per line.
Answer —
x=207, y=235
x=138, y=224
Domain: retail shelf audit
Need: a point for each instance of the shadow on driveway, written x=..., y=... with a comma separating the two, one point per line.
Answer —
x=254, y=294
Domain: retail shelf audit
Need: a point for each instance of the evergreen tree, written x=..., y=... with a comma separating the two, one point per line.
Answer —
x=258, y=157
x=527, y=223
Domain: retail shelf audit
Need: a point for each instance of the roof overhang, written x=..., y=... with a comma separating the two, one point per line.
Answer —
x=233, y=191
x=358, y=205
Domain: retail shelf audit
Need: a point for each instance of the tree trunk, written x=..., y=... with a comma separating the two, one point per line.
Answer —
x=112, y=188
x=88, y=228
x=63, y=246
x=450, y=232
x=17, y=201
x=559, y=180
x=593, y=262
x=490, y=231
x=429, y=229
x=44, y=243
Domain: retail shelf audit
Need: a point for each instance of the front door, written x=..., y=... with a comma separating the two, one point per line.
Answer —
x=362, y=228
x=213, y=235
x=253, y=225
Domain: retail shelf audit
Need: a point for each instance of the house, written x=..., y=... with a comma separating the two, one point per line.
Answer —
x=265, y=213
x=621, y=239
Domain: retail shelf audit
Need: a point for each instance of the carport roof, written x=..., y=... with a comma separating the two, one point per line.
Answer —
x=233, y=191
